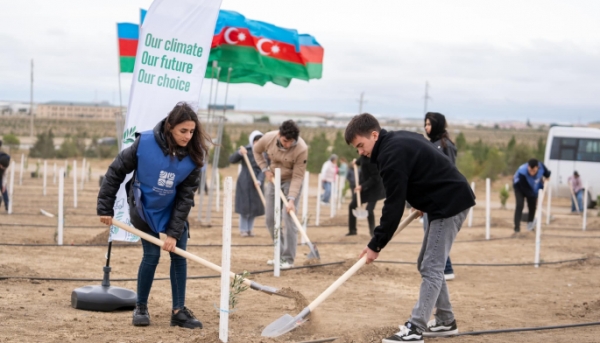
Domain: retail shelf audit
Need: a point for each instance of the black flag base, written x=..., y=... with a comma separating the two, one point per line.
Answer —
x=104, y=298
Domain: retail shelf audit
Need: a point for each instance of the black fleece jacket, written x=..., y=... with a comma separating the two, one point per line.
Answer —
x=413, y=170
x=125, y=163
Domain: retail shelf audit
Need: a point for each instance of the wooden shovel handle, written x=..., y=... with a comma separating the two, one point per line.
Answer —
x=260, y=193
x=356, y=178
x=295, y=218
x=177, y=251
x=334, y=286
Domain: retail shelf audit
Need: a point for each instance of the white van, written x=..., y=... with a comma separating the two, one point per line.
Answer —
x=570, y=149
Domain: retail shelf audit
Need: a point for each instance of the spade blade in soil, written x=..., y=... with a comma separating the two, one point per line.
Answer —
x=360, y=213
x=284, y=325
x=314, y=252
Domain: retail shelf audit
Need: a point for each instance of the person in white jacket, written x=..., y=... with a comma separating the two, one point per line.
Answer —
x=328, y=173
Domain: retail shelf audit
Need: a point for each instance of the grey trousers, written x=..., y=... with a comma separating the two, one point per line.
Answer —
x=437, y=242
x=289, y=236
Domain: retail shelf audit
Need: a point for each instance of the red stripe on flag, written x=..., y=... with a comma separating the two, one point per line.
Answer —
x=128, y=47
x=311, y=54
x=268, y=47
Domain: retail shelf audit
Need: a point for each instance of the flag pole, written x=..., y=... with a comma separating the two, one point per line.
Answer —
x=207, y=128
x=217, y=151
x=119, y=114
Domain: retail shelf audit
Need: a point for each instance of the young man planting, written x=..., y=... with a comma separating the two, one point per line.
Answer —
x=413, y=170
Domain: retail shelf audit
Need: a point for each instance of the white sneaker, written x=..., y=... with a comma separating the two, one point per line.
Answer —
x=286, y=265
x=435, y=330
x=270, y=262
x=531, y=225
x=449, y=277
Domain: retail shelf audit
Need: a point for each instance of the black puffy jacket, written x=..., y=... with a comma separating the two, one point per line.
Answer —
x=125, y=163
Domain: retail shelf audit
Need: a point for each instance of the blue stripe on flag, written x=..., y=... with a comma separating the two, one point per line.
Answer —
x=128, y=30
x=142, y=15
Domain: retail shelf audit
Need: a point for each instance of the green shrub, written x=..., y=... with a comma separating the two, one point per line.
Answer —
x=504, y=194
x=11, y=141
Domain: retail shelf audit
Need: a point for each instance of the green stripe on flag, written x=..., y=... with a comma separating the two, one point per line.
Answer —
x=127, y=64
x=253, y=60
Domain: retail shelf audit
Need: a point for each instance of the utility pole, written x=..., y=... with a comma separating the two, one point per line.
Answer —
x=427, y=97
x=360, y=102
x=31, y=104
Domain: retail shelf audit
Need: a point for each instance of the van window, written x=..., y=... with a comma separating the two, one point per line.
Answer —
x=575, y=149
x=589, y=150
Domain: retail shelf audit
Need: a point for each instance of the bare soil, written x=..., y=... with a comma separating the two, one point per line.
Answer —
x=368, y=307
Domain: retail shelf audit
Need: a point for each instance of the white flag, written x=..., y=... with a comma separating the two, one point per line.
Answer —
x=170, y=63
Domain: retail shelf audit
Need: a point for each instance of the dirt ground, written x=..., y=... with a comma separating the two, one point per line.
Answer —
x=369, y=306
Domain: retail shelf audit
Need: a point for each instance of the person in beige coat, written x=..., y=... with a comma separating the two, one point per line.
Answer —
x=284, y=149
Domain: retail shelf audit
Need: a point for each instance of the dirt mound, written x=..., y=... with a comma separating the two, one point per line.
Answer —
x=587, y=309
x=339, y=269
x=374, y=335
x=299, y=299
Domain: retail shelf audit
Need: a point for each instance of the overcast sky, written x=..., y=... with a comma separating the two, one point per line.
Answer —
x=484, y=60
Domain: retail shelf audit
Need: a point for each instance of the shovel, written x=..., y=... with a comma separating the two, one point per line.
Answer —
x=260, y=193
x=254, y=285
x=288, y=323
x=358, y=212
x=314, y=253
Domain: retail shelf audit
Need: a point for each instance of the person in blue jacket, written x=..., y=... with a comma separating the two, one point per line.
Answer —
x=528, y=180
x=166, y=163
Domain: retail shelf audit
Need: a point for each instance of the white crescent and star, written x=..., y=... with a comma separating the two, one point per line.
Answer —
x=241, y=36
x=259, y=44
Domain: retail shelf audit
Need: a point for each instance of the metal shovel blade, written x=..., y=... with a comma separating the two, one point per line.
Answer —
x=285, y=324
x=360, y=213
x=314, y=252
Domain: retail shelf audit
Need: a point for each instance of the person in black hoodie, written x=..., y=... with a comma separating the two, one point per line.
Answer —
x=413, y=170
x=435, y=128
x=371, y=190
x=166, y=163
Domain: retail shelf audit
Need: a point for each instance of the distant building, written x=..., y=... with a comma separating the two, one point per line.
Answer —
x=77, y=110
x=10, y=108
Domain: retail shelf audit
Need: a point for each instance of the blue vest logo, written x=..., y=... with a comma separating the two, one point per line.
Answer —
x=166, y=179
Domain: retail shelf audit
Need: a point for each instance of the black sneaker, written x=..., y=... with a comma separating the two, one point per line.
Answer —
x=141, y=317
x=185, y=319
x=440, y=330
x=351, y=234
x=408, y=333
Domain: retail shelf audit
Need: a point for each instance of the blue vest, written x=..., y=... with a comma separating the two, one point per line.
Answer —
x=535, y=182
x=157, y=177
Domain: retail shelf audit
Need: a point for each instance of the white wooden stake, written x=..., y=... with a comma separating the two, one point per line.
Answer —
x=11, y=184
x=61, y=202
x=333, y=197
x=319, y=190
x=341, y=186
x=304, y=205
x=226, y=261
x=74, y=183
x=54, y=175
x=82, y=173
x=585, y=205
x=487, y=208
x=21, y=170
x=218, y=185
x=471, y=209
x=538, y=231
x=277, y=229
x=45, y=175
x=549, y=203
x=506, y=186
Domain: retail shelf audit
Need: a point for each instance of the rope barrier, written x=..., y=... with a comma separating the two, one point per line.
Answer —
x=262, y=271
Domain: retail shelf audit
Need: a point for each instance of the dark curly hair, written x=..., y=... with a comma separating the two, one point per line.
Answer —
x=289, y=130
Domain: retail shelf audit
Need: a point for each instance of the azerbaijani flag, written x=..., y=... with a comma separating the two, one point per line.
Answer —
x=259, y=52
x=128, y=35
x=265, y=48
